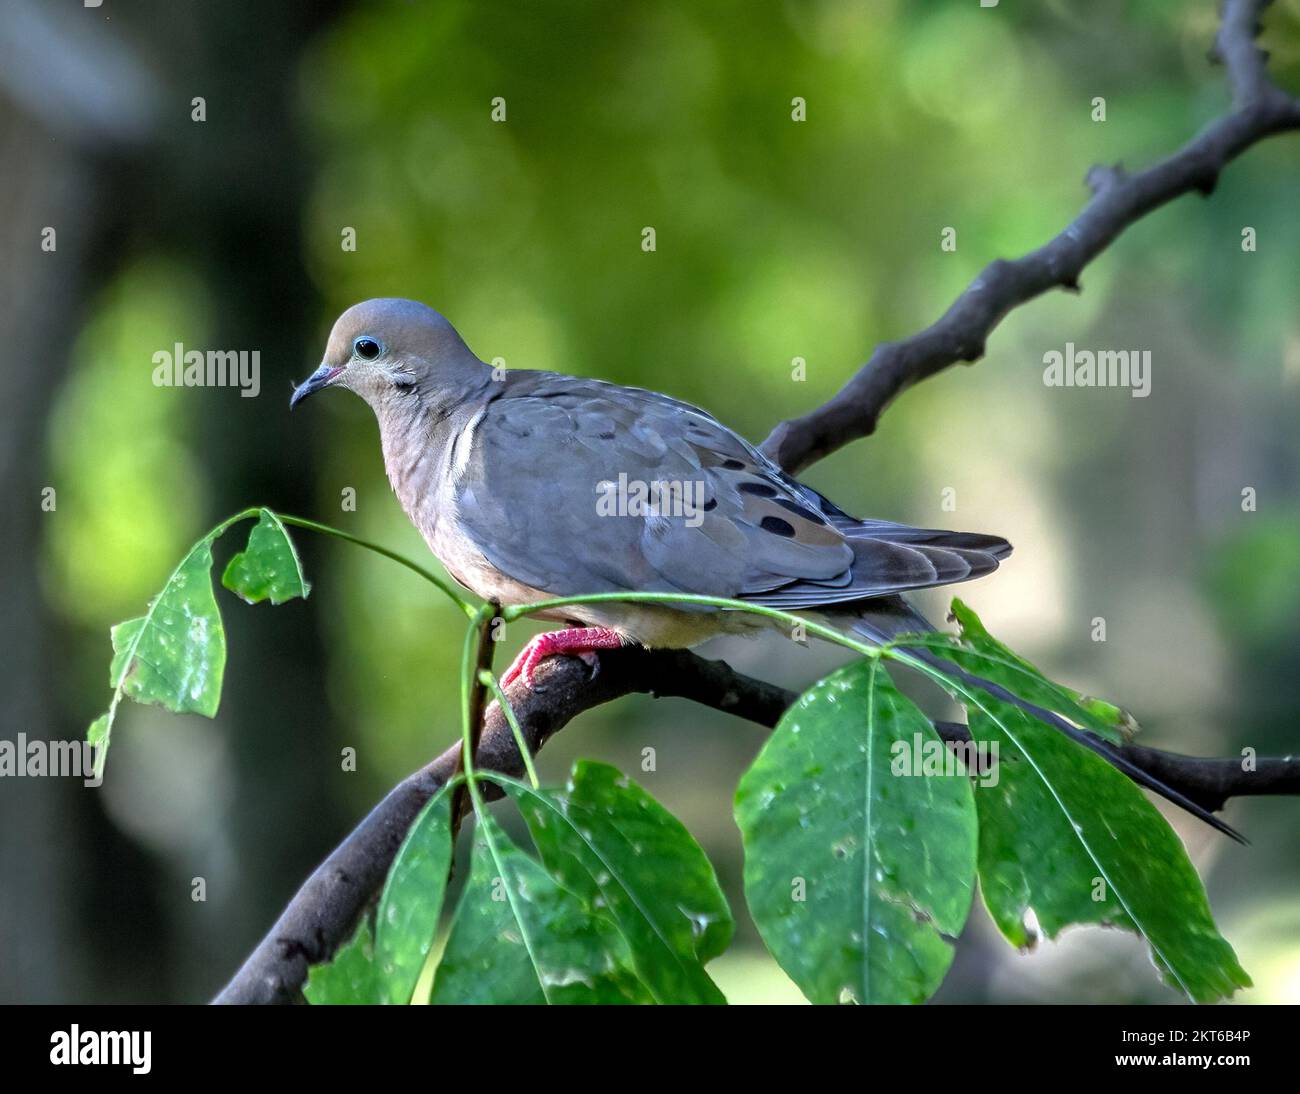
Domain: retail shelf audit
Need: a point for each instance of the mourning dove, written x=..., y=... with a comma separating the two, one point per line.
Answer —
x=533, y=485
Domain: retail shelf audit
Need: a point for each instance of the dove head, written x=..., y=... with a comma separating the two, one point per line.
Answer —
x=392, y=351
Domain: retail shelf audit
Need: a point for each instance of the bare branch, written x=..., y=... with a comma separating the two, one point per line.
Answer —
x=1211, y=781
x=1236, y=49
x=1119, y=200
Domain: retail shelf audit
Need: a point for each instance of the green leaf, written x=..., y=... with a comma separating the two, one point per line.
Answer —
x=1064, y=833
x=173, y=655
x=519, y=937
x=858, y=872
x=407, y=919
x=350, y=977
x=974, y=631
x=268, y=567
x=976, y=651
x=97, y=734
x=609, y=842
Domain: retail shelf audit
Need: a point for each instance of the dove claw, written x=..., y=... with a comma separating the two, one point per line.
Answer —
x=580, y=642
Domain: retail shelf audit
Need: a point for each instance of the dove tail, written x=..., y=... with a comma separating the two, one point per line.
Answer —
x=884, y=620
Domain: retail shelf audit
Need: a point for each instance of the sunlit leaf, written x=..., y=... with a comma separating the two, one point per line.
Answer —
x=268, y=568
x=519, y=937
x=608, y=841
x=351, y=977
x=1066, y=835
x=412, y=900
x=173, y=655
x=858, y=871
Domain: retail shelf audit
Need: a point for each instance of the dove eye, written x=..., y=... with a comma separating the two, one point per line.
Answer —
x=367, y=348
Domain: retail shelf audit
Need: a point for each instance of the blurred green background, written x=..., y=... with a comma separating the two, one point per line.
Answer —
x=775, y=239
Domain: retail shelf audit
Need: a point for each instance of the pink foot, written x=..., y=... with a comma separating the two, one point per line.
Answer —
x=575, y=641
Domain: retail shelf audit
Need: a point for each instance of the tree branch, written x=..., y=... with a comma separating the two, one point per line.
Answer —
x=1260, y=109
x=326, y=909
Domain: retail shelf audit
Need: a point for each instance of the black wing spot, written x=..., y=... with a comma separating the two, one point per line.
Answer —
x=710, y=505
x=733, y=465
x=761, y=489
x=798, y=510
x=777, y=527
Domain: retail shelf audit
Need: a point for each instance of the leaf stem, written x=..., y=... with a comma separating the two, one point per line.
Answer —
x=490, y=681
x=433, y=579
x=475, y=661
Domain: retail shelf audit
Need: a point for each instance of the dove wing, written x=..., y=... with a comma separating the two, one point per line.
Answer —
x=537, y=491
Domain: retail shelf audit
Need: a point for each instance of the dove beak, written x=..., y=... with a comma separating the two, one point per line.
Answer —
x=317, y=380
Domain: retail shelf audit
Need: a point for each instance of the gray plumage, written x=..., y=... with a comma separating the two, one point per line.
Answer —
x=503, y=475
